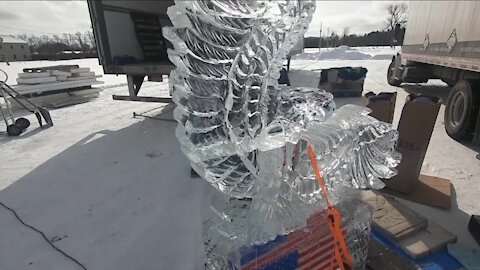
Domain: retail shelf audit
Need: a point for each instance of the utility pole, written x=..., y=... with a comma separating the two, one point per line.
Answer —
x=320, y=38
x=328, y=36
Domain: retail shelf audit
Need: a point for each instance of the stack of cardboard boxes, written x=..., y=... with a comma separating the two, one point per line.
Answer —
x=415, y=129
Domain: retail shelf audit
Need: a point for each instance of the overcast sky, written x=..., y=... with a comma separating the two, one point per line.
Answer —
x=38, y=17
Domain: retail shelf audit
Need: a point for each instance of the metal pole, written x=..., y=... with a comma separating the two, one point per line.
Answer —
x=328, y=36
x=320, y=38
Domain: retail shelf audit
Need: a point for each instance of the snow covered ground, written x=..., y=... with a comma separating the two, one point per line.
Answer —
x=115, y=191
x=347, y=53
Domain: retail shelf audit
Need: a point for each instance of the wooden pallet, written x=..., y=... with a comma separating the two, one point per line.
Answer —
x=427, y=241
x=381, y=258
x=392, y=218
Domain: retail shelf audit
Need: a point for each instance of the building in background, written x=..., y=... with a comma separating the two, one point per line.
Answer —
x=14, y=49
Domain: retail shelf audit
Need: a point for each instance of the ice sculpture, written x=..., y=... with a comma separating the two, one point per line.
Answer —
x=248, y=136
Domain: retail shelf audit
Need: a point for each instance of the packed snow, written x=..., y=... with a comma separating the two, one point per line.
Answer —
x=347, y=53
x=115, y=191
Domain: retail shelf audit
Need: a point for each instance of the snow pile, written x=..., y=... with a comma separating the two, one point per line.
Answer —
x=379, y=51
x=346, y=53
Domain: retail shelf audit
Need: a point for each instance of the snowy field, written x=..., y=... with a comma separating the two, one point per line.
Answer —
x=115, y=192
x=347, y=53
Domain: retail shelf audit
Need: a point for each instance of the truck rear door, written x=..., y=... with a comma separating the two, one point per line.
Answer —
x=129, y=36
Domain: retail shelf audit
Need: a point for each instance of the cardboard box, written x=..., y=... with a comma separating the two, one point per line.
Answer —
x=382, y=105
x=415, y=129
x=429, y=190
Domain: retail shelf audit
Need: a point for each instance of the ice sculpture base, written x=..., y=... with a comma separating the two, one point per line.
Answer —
x=306, y=248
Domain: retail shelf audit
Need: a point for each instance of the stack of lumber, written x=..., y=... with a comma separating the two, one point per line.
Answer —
x=53, y=78
x=57, y=86
x=413, y=233
x=403, y=239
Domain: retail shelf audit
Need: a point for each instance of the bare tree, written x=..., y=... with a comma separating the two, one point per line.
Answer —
x=334, y=38
x=22, y=37
x=56, y=39
x=70, y=40
x=91, y=38
x=397, y=14
x=82, y=42
x=45, y=39
x=34, y=42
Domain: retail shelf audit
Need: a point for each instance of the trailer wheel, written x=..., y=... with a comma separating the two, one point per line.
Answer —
x=460, y=111
x=14, y=130
x=22, y=123
x=390, y=75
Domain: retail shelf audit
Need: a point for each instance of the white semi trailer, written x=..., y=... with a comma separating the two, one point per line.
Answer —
x=442, y=41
